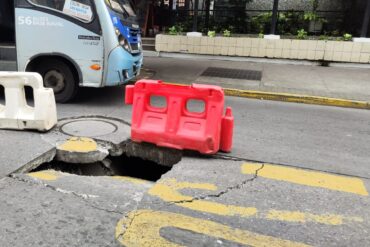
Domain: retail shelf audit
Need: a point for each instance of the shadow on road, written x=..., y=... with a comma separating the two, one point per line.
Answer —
x=106, y=96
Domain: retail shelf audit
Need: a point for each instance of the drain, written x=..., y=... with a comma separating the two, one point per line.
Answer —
x=80, y=127
x=253, y=75
x=111, y=166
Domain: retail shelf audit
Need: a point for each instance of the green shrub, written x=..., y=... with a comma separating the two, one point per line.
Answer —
x=261, y=22
x=175, y=30
x=347, y=37
x=324, y=37
x=287, y=22
x=172, y=30
x=226, y=33
x=302, y=34
x=180, y=29
x=310, y=16
x=211, y=34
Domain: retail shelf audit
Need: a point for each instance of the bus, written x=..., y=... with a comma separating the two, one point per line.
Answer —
x=71, y=43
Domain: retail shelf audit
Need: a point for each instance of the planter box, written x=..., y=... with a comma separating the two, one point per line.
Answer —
x=314, y=50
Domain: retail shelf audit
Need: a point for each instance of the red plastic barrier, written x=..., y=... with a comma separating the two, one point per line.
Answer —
x=173, y=125
x=227, y=130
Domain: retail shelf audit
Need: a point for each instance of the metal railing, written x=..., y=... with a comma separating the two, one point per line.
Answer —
x=247, y=21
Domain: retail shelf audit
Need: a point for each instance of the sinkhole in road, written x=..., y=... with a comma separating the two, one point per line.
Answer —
x=111, y=166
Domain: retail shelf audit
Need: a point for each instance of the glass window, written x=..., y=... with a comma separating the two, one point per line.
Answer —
x=116, y=6
x=80, y=9
x=127, y=5
x=122, y=7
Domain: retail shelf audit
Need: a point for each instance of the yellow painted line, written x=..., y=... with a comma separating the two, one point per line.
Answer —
x=168, y=191
x=142, y=228
x=294, y=98
x=130, y=179
x=78, y=144
x=49, y=175
x=297, y=98
x=308, y=178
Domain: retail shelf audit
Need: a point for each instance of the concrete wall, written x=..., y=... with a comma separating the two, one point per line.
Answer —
x=315, y=50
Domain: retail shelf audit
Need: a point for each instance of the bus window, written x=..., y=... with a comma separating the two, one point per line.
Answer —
x=80, y=9
x=7, y=25
x=52, y=4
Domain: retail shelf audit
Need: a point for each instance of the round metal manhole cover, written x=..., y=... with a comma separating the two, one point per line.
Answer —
x=88, y=128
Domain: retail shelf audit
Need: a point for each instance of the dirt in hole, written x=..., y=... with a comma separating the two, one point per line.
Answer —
x=112, y=166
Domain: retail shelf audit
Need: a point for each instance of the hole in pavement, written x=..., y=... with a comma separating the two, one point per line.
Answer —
x=112, y=166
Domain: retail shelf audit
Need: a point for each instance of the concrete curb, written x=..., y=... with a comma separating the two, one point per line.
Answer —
x=297, y=98
x=284, y=61
x=294, y=98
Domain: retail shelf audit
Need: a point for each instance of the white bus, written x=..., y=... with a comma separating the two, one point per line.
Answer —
x=71, y=43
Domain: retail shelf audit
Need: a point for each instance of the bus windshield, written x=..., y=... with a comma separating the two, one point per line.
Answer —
x=122, y=7
x=126, y=4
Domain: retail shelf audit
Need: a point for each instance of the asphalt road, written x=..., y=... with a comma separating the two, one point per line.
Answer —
x=298, y=175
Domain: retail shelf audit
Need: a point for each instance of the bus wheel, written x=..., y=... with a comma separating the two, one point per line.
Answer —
x=59, y=76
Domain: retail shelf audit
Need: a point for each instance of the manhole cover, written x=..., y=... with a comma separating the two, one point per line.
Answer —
x=254, y=75
x=88, y=127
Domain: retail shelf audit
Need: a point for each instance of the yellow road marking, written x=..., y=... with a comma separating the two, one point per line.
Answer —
x=293, y=98
x=142, y=228
x=309, y=178
x=168, y=190
x=79, y=144
x=48, y=175
x=297, y=98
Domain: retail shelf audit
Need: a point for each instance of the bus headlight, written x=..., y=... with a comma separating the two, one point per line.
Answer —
x=124, y=43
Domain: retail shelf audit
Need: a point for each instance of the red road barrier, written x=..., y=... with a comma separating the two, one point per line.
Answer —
x=173, y=125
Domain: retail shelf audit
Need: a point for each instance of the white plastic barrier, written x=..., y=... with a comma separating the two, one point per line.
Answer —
x=16, y=114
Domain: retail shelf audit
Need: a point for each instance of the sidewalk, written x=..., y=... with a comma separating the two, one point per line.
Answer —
x=298, y=78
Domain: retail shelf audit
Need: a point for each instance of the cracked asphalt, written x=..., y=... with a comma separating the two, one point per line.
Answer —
x=273, y=211
x=298, y=176
x=82, y=211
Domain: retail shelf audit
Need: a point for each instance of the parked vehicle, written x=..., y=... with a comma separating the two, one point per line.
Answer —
x=72, y=43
